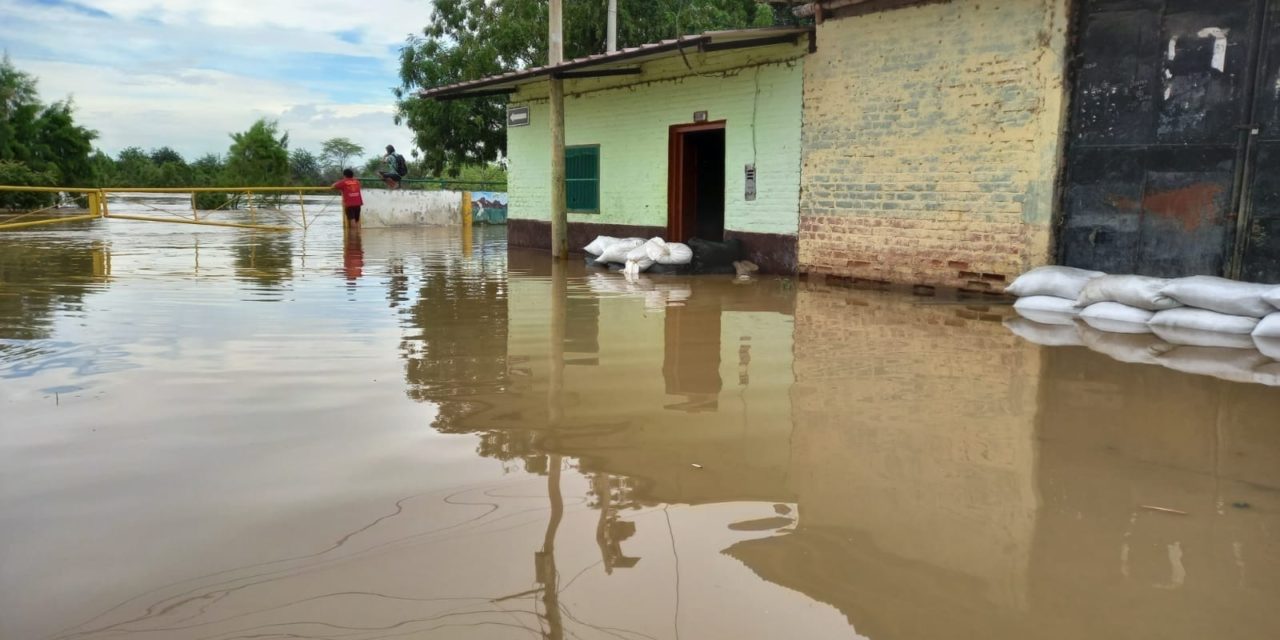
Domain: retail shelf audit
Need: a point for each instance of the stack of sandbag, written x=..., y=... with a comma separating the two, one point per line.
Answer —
x=635, y=255
x=1048, y=294
x=1200, y=324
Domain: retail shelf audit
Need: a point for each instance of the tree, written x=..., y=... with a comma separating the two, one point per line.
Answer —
x=334, y=152
x=471, y=39
x=135, y=169
x=257, y=157
x=45, y=139
x=166, y=154
x=304, y=167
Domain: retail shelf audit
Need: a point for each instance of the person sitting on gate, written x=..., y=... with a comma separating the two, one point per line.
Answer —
x=396, y=168
x=351, y=198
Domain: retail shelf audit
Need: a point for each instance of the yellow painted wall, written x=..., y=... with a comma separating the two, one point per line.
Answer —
x=932, y=138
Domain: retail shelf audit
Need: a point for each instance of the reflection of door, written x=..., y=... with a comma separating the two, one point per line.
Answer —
x=695, y=182
x=1160, y=140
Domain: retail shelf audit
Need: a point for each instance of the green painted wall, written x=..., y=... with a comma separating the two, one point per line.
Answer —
x=757, y=93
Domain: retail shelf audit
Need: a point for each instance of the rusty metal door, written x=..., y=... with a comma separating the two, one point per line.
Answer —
x=1259, y=241
x=1160, y=136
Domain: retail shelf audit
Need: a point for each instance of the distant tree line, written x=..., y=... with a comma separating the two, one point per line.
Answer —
x=41, y=145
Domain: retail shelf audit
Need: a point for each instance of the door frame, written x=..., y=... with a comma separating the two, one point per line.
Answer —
x=679, y=218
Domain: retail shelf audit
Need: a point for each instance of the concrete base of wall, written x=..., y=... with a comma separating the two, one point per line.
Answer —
x=406, y=208
x=774, y=253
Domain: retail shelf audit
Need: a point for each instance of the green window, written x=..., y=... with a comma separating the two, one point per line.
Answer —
x=582, y=178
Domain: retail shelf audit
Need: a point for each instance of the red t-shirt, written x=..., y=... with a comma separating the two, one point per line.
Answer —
x=350, y=188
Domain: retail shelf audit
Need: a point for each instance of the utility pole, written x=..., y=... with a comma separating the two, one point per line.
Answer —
x=612, y=38
x=559, y=208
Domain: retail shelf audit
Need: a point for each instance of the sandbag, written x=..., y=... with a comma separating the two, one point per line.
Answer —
x=1268, y=374
x=1199, y=338
x=1135, y=291
x=598, y=245
x=1272, y=296
x=1132, y=348
x=1120, y=318
x=1051, y=304
x=1221, y=295
x=635, y=267
x=1270, y=347
x=715, y=257
x=655, y=248
x=677, y=253
x=1060, y=282
x=1049, y=335
x=1203, y=320
x=639, y=253
x=1236, y=365
x=617, y=252
x=1268, y=327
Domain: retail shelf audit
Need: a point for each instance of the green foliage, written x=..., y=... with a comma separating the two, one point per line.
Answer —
x=44, y=138
x=17, y=173
x=305, y=168
x=471, y=39
x=258, y=157
x=335, y=152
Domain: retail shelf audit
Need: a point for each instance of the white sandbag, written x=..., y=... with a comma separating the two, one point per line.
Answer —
x=1045, y=304
x=1268, y=327
x=677, y=253
x=1268, y=374
x=656, y=248
x=1132, y=348
x=1236, y=365
x=1272, y=296
x=1120, y=318
x=1047, y=310
x=617, y=252
x=1199, y=338
x=1049, y=335
x=635, y=266
x=1061, y=282
x=639, y=253
x=1221, y=295
x=1270, y=347
x=598, y=245
x=1136, y=291
x=1203, y=320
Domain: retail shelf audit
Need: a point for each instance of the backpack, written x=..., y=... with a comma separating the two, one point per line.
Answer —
x=402, y=167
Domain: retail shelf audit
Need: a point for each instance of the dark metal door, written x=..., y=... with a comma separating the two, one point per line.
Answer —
x=1259, y=241
x=1156, y=148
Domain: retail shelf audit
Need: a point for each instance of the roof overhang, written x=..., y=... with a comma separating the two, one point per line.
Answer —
x=619, y=63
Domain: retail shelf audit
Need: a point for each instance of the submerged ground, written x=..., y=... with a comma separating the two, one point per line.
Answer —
x=218, y=434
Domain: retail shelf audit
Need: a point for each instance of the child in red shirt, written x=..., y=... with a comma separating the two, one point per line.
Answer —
x=351, y=200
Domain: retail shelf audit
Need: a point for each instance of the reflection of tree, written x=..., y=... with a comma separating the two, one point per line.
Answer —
x=36, y=281
x=458, y=357
x=265, y=258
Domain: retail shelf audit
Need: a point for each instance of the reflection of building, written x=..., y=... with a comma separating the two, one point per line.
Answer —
x=951, y=480
x=913, y=466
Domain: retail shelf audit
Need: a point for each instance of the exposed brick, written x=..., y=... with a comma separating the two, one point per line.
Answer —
x=931, y=142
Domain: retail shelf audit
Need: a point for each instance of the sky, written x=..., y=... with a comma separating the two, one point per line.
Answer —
x=187, y=73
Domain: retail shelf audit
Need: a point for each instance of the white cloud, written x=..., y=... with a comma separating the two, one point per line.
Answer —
x=194, y=110
x=186, y=74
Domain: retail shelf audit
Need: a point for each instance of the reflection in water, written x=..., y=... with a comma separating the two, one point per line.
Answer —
x=352, y=257
x=265, y=259
x=682, y=457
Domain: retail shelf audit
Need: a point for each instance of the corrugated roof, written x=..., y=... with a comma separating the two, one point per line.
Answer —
x=738, y=38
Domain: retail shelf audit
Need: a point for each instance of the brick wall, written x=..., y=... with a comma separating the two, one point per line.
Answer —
x=931, y=142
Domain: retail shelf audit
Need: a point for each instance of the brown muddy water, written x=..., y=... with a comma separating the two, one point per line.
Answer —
x=221, y=434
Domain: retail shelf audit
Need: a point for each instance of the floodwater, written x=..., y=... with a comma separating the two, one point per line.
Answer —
x=221, y=434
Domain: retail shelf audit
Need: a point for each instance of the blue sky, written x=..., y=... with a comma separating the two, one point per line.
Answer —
x=186, y=73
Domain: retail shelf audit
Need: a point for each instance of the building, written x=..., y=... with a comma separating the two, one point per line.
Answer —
x=962, y=142
x=696, y=136
x=932, y=140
